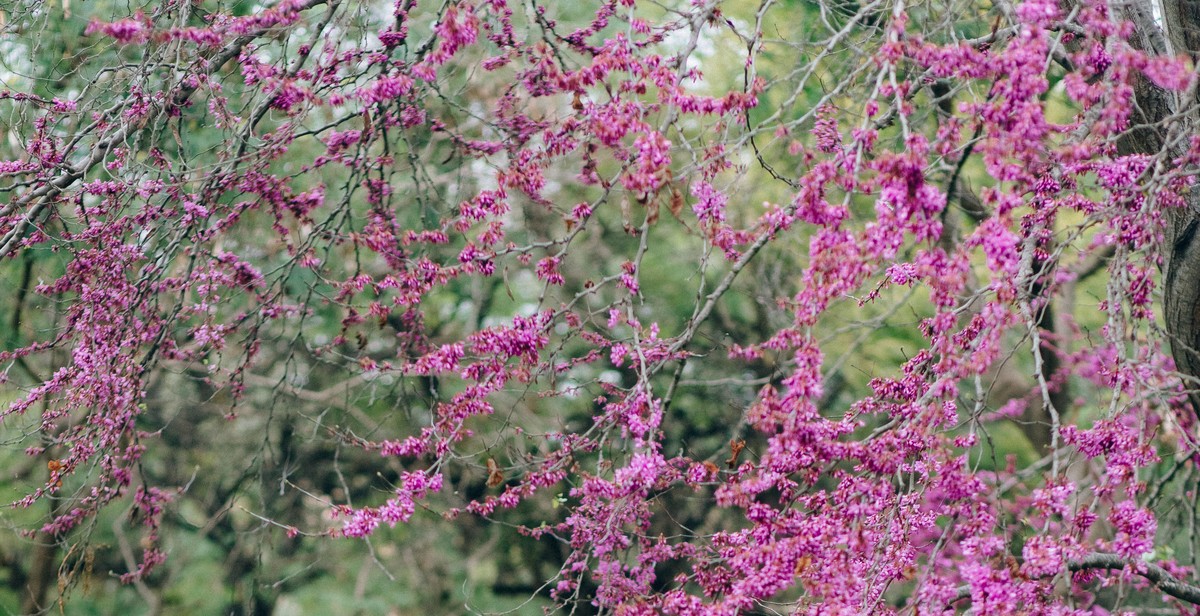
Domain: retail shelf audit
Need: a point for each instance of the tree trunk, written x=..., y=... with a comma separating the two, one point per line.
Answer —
x=1156, y=111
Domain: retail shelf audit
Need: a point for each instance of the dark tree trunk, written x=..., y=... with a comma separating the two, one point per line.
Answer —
x=1164, y=125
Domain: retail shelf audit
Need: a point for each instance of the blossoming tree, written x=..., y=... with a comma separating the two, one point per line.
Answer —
x=699, y=307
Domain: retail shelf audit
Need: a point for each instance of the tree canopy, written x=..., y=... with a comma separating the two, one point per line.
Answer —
x=603, y=307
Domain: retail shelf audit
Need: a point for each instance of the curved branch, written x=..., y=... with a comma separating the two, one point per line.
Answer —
x=1162, y=579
